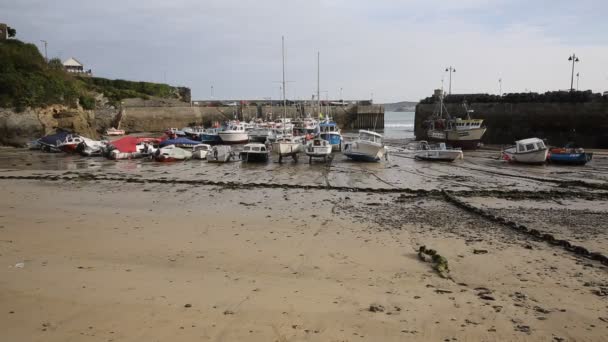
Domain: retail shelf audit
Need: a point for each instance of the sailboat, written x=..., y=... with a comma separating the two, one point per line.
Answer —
x=287, y=145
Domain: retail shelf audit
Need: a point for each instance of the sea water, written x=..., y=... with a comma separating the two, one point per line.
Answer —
x=399, y=125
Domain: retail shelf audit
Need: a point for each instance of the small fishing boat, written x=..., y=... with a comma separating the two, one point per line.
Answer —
x=220, y=154
x=254, y=152
x=368, y=147
x=234, y=134
x=318, y=148
x=287, y=146
x=211, y=136
x=114, y=132
x=569, y=155
x=200, y=151
x=526, y=151
x=195, y=132
x=172, y=153
x=91, y=148
x=436, y=152
x=130, y=148
x=329, y=131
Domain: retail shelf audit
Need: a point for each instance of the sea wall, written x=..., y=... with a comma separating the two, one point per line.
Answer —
x=586, y=122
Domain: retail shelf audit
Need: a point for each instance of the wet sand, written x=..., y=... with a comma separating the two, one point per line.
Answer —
x=103, y=251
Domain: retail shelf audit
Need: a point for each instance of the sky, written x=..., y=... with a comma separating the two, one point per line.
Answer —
x=386, y=50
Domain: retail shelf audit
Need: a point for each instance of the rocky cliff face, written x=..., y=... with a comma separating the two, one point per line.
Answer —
x=17, y=128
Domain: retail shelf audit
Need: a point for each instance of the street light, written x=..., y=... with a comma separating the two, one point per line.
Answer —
x=451, y=70
x=46, y=56
x=500, y=86
x=577, y=76
x=573, y=59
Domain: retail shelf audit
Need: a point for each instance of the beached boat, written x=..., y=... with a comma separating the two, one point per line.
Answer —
x=180, y=142
x=526, y=151
x=234, y=134
x=50, y=142
x=91, y=148
x=436, y=152
x=220, y=154
x=329, y=131
x=254, y=152
x=211, y=136
x=200, y=151
x=130, y=148
x=115, y=132
x=71, y=141
x=287, y=146
x=171, y=153
x=318, y=148
x=195, y=132
x=465, y=133
x=367, y=147
x=569, y=155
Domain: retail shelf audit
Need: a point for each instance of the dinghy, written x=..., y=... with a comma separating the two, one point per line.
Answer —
x=171, y=153
x=436, y=152
x=569, y=155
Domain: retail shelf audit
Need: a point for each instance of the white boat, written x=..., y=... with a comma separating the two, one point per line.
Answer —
x=171, y=153
x=234, y=134
x=260, y=134
x=220, y=154
x=254, y=152
x=367, y=147
x=318, y=148
x=436, y=152
x=287, y=146
x=71, y=142
x=91, y=148
x=115, y=132
x=526, y=151
x=200, y=151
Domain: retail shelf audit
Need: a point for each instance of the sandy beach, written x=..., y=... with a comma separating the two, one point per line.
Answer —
x=94, y=250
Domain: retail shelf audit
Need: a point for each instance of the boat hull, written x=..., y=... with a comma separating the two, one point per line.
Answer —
x=439, y=155
x=532, y=157
x=570, y=158
x=364, y=151
x=210, y=139
x=234, y=138
x=466, y=139
x=286, y=148
x=254, y=157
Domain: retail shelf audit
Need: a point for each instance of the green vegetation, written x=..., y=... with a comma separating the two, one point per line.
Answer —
x=27, y=80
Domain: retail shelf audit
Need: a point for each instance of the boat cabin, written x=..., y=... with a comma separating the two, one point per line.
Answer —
x=461, y=125
x=236, y=128
x=370, y=136
x=254, y=148
x=328, y=127
x=528, y=145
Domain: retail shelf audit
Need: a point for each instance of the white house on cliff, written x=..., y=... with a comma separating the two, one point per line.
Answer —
x=72, y=65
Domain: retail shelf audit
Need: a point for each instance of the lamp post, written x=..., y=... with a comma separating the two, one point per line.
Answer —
x=573, y=59
x=212, y=92
x=450, y=69
x=577, y=77
x=46, y=56
x=500, y=86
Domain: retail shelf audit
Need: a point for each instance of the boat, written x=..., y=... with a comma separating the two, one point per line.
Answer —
x=50, y=142
x=329, y=131
x=180, y=142
x=211, y=136
x=254, y=152
x=318, y=148
x=436, y=152
x=464, y=133
x=171, y=153
x=526, y=151
x=286, y=145
x=234, y=134
x=200, y=151
x=367, y=147
x=195, y=132
x=115, y=132
x=91, y=148
x=130, y=148
x=260, y=134
x=569, y=155
x=220, y=154
x=71, y=141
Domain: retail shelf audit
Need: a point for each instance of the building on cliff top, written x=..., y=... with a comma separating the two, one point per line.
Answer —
x=3, y=31
x=72, y=65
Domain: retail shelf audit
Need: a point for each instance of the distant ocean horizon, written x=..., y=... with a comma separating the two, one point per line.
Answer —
x=399, y=125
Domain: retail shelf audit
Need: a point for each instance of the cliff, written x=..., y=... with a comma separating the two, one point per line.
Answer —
x=585, y=122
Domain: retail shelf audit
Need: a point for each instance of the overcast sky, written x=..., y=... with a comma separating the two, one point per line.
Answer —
x=397, y=50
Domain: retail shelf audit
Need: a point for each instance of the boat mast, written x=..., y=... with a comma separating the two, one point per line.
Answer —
x=318, y=83
x=284, y=98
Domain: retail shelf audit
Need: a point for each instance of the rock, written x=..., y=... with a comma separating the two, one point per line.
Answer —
x=480, y=251
x=486, y=297
x=541, y=310
x=523, y=328
x=228, y=312
x=376, y=308
x=188, y=305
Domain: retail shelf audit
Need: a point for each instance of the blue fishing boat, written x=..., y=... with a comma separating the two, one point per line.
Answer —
x=329, y=130
x=569, y=156
x=211, y=136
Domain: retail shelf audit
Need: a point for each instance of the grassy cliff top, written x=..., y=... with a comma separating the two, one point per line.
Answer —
x=27, y=80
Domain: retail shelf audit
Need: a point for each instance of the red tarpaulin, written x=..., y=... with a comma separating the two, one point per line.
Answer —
x=128, y=144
